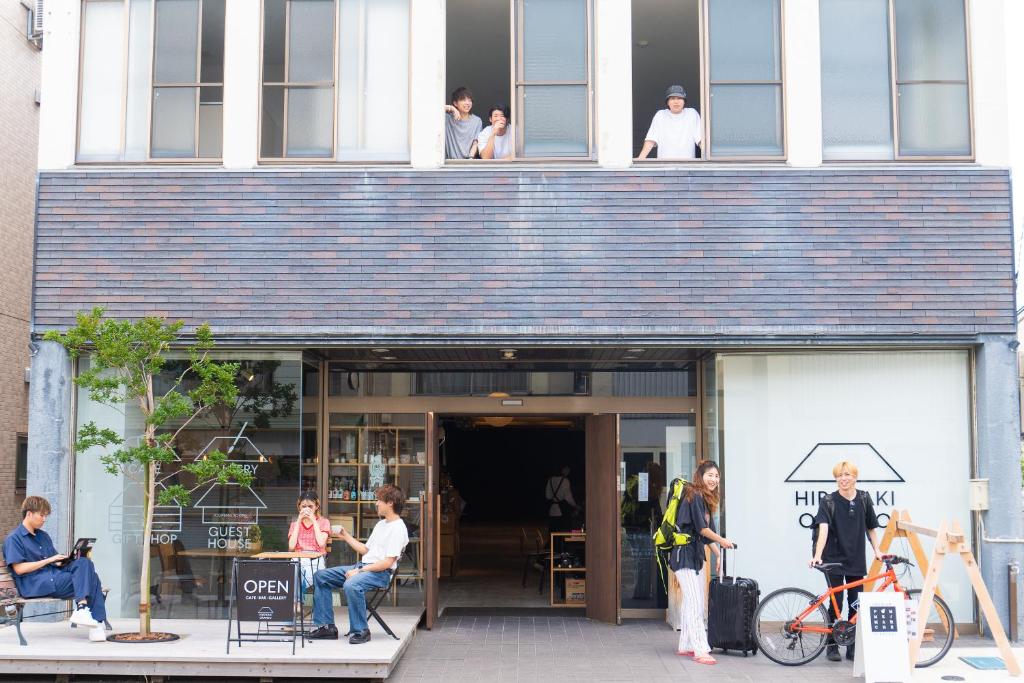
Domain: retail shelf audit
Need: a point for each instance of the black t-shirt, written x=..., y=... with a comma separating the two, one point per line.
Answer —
x=847, y=531
x=692, y=517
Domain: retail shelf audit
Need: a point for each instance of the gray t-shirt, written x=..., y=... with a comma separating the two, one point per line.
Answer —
x=459, y=135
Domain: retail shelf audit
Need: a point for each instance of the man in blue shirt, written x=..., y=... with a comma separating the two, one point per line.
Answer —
x=41, y=572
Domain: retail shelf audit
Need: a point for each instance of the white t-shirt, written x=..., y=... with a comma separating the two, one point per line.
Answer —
x=388, y=539
x=676, y=134
x=502, y=143
x=558, y=488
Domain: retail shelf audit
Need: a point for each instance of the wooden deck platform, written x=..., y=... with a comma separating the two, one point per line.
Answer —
x=55, y=648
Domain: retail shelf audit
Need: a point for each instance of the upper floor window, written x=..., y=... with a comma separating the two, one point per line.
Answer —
x=707, y=79
x=152, y=77
x=335, y=81
x=894, y=79
x=527, y=67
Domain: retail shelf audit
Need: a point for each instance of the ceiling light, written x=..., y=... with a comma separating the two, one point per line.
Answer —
x=389, y=357
x=634, y=350
x=508, y=354
x=382, y=350
x=498, y=420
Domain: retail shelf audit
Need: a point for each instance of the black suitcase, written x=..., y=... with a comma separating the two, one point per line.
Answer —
x=732, y=602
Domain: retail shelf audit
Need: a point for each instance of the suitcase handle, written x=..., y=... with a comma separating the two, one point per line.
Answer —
x=735, y=574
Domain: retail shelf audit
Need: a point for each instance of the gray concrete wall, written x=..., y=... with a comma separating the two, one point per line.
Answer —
x=50, y=428
x=998, y=425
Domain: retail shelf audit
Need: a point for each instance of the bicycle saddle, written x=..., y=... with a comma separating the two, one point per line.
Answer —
x=827, y=567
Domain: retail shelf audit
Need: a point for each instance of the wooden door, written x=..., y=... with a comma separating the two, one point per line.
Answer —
x=603, y=521
x=432, y=523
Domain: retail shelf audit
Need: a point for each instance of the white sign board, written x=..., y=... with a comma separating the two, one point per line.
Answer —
x=642, y=487
x=788, y=418
x=882, y=654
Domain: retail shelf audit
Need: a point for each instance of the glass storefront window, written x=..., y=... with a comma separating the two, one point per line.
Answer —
x=192, y=546
x=655, y=449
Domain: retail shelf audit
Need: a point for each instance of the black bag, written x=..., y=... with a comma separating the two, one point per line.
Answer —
x=732, y=602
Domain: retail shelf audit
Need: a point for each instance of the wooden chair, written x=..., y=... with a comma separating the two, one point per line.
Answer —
x=533, y=558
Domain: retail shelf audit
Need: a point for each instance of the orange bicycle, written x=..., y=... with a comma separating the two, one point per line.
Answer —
x=792, y=625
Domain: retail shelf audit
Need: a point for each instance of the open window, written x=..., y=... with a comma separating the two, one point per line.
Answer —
x=666, y=51
x=533, y=56
x=727, y=55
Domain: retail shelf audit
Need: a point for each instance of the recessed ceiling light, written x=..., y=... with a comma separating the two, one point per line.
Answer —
x=508, y=354
x=382, y=350
x=634, y=351
x=389, y=357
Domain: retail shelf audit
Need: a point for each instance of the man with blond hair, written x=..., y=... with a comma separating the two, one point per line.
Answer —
x=41, y=572
x=845, y=518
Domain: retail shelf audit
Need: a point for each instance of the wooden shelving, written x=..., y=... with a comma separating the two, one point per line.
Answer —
x=562, y=542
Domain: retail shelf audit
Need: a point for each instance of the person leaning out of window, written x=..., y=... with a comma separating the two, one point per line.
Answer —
x=461, y=126
x=495, y=141
x=675, y=131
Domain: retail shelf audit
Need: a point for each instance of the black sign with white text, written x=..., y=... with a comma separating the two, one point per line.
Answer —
x=265, y=590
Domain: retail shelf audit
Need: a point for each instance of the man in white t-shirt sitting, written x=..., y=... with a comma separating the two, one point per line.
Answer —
x=494, y=141
x=380, y=556
x=675, y=131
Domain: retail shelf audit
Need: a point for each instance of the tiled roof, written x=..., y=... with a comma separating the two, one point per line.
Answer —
x=506, y=252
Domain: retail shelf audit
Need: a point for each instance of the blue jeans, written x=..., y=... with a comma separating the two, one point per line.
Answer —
x=79, y=580
x=326, y=580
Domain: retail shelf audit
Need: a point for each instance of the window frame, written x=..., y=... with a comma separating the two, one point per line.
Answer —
x=706, y=151
x=125, y=52
x=519, y=83
x=20, y=463
x=197, y=86
x=894, y=103
x=285, y=85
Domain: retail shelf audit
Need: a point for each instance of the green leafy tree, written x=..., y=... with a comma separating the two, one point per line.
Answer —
x=125, y=356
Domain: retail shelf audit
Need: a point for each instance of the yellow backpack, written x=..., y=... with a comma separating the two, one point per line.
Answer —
x=668, y=535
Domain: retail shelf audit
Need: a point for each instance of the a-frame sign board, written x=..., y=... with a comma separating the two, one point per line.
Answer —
x=949, y=540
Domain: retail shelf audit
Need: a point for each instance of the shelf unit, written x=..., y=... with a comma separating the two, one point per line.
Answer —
x=346, y=467
x=563, y=542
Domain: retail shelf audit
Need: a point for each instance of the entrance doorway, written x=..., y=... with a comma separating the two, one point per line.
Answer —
x=496, y=476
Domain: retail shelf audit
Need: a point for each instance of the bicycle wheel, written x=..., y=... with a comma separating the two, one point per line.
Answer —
x=772, y=622
x=939, y=631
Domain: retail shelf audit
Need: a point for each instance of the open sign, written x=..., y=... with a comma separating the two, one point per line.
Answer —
x=265, y=590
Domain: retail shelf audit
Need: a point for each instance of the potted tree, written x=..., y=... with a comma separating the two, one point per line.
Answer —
x=125, y=357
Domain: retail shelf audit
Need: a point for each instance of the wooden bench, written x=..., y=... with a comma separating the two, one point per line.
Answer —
x=13, y=605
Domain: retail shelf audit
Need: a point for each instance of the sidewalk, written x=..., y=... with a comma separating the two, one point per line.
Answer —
x=571, y=649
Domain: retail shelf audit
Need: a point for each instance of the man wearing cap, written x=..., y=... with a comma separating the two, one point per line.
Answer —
x=675, y=131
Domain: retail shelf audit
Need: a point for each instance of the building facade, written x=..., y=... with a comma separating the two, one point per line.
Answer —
x=832, y=278
x=19, y=121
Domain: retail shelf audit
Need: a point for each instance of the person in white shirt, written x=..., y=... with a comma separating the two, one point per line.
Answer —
x=675, y=131
x=494, y=141
x=561, y=504
x=380, y=556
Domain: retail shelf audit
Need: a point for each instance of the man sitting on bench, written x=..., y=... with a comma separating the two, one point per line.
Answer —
x=40, y=572
x=379, y=558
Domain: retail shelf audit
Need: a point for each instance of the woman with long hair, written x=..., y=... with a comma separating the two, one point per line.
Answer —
x=695, y=518
x=309, y=532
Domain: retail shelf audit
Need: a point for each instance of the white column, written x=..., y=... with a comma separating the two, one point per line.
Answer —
x=241, y=83
x=58, y=112
x=426, y=83
x=802, y=69
x=613, y=77
x=990, y=81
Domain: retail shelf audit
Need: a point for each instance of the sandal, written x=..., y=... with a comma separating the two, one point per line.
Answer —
x=705, y=659
x=688, y=653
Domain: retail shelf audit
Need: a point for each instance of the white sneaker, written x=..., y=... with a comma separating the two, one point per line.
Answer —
x=83, y=617
x=98, y=634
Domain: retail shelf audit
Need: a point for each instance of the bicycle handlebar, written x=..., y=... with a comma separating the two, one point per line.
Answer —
x=896, y=559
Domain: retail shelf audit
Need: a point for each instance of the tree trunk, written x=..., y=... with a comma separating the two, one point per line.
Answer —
x=149, y=501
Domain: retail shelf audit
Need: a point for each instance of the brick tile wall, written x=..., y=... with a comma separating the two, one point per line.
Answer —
x=19, y=66
x=336, y=253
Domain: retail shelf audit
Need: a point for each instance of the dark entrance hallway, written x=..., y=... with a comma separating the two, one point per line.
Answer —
x=499, y=468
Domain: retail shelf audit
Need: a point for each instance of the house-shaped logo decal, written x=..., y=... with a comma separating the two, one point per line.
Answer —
x=816, y=466
x=232, y=503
